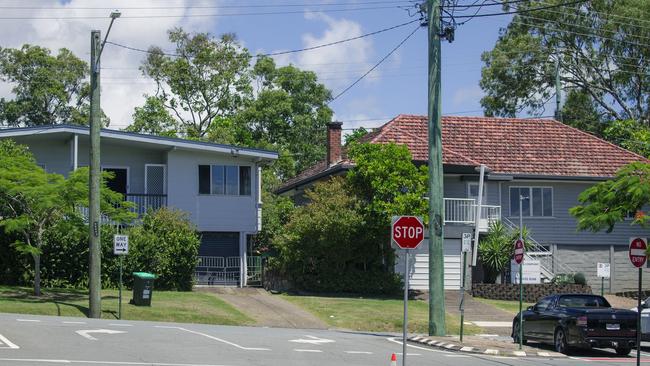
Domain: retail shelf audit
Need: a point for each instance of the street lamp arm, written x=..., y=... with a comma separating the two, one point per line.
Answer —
x=114, y=15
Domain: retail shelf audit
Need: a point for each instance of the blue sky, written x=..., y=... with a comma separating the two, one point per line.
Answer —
x=399, y=85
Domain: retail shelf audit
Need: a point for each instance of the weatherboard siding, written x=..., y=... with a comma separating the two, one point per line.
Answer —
x=210, y=212
x=561, y=227
x=120, y=155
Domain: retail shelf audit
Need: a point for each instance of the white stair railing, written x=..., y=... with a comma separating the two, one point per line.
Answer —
x=550, y=264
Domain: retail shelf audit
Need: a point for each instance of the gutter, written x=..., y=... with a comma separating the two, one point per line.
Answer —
x=329, y=171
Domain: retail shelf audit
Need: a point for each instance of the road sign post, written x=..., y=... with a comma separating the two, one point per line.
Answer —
x=120, y=248
x=466, y=247
x=638, y=257
x=602, y=271
x=519, y=259
x=407, y=232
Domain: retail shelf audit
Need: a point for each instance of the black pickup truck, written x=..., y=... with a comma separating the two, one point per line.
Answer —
x=578, y=320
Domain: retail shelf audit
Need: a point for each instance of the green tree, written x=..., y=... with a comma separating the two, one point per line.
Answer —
x=630, y=135
x=322, y=247
x=206, y=80
x=356, y=134
x=580, y=111
x=47, y=89
x=153, y=118
x=275, y=215
x=166, y=244
x=387, y=183
x=602, y=49
x=607, y=203
x=34, y=201
x=290, y=111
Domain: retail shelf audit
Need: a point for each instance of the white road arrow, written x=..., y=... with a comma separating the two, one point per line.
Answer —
x=86, y=333
x=312, y=340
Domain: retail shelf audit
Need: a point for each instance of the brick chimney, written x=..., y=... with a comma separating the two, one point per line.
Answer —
x=333, y=143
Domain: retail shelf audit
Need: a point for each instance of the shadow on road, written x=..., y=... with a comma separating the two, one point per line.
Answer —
x=582, y=352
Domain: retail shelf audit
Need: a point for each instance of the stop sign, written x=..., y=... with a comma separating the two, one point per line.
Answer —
x=407, y=232
x=637, y=251
x=519, y=251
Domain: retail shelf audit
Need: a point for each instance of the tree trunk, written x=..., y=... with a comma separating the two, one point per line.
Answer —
x=37, y=274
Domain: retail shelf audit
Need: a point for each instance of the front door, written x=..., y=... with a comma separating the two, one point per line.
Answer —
x=119, y=182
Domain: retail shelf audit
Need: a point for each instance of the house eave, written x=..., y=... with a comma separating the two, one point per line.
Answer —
x=151, y=139
x=329, y=171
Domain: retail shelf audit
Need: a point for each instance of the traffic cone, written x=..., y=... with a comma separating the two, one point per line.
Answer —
x=393, y=360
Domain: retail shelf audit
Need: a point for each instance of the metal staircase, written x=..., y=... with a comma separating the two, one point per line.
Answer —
x=549, y=264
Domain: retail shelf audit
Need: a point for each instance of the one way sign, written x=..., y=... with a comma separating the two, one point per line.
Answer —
x=120, y=244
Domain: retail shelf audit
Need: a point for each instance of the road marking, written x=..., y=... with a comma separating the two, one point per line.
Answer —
x=85, y=333
x=359, y=352
x=74, y=322
x=458, y=356
x=28, y=320
x=409, y=354
x=394, y=340
x=4, y=340
x=37, y=360
x=312, y=340
x=467, y=349
x=216, y=339
x=493, y=324
x=121, y=325
x=308, y=350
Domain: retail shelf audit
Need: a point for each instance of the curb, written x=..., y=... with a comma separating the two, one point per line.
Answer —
x=452, y=346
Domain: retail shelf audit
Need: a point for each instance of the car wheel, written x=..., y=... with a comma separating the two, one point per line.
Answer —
x=623, y=351
x=515, y=334
x=561, y=345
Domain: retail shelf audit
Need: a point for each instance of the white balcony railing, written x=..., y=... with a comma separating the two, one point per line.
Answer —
x=463, y=211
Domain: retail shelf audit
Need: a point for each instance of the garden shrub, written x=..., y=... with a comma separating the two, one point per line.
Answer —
x=579, y=279
x=324, y=248
x=167, y=245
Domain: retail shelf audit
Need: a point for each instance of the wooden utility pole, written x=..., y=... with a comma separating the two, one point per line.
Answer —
x=94, y=217
x=436, y=203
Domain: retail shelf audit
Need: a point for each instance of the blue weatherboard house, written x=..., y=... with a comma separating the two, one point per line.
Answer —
x=217, y=185
x=544, y=160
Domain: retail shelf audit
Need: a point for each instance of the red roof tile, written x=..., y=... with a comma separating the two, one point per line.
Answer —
x=511, y=145
x=540, y=147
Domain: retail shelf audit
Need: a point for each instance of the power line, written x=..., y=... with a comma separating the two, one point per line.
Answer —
x=280, y=52
x=32, y=7
x=376, y=65
x=219, y=15
x=517, y=11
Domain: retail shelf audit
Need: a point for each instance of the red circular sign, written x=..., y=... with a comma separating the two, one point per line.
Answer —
x=519, y=251
x=637, y=251
x=407, y=232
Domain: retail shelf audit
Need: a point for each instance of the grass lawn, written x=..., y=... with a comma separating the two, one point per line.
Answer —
x=505, y=305
x=373, y=314
x=168, y=306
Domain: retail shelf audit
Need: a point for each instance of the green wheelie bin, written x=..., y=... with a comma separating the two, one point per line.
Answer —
x=142, y=288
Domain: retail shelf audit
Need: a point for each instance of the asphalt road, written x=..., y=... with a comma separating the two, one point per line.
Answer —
x=40, y=340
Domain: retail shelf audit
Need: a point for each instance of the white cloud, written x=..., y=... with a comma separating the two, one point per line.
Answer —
x=122, y=83
x=339, y=65
x=469, y=95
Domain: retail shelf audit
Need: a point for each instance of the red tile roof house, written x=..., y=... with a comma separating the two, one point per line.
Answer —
x=543, y=159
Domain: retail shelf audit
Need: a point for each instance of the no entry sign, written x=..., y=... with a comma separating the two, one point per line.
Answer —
x=407, y=231
x=637, y=251
x=519, y=251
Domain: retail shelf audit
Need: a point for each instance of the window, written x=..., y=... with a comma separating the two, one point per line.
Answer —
x=472, y=192
x=544, y=303
x=538, y=201
x=230, y=180
x=245, y=180
x=204, y=179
